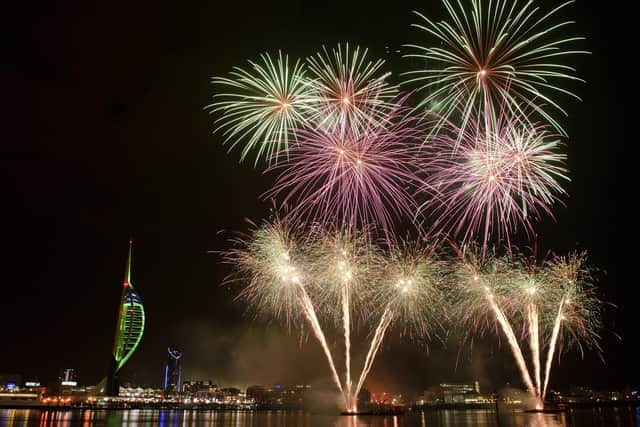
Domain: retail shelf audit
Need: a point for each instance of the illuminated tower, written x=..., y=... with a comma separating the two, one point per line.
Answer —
x=129, y=329
x=173, y=371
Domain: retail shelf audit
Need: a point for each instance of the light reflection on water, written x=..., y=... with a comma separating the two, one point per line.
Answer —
x=600, y=417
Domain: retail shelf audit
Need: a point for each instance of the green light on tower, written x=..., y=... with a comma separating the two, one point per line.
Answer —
x=129, y=329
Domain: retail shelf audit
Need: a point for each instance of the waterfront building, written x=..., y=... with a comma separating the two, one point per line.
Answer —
x=452, y=393
x=173, y=371
x=10, y=381
x=68, y=378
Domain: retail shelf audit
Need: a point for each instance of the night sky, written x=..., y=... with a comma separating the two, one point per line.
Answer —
x=105, y=138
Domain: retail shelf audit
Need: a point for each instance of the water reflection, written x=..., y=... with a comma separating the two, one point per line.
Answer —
x=618, y=417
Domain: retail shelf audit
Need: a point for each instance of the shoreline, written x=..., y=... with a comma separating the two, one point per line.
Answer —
x=462, y=407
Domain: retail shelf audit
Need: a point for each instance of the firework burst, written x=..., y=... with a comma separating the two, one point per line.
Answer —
x=263, y=106
x=411, y=286
x=492, y=183
x=348, y=91
x=498, y=51
x=268, y=265
x=351, y=180
x=344, y=261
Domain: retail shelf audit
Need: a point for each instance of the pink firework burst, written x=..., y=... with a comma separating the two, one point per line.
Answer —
x=354, y=178
x=489, y=183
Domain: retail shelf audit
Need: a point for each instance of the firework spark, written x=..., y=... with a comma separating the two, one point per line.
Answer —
x=410, y=290
x=482, y=287
x=579, y=312
x=268, y=264
x=501, y=51
x=343, y=269
x=264, y=106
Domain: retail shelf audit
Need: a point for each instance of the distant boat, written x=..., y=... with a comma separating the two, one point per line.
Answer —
x=16, y=400
x=393, y=410
x=548, y=410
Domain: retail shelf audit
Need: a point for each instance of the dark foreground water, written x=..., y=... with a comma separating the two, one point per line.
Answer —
x=606, y=417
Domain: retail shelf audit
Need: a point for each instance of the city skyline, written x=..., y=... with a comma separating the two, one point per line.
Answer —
x=128, y=152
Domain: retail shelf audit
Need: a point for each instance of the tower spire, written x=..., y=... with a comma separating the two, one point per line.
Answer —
x=127, y=273
x=129, y=329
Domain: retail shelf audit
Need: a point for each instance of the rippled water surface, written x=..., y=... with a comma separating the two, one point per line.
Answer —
x=609, y=417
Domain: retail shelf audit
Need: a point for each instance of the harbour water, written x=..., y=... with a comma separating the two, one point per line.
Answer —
x=600, y=417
